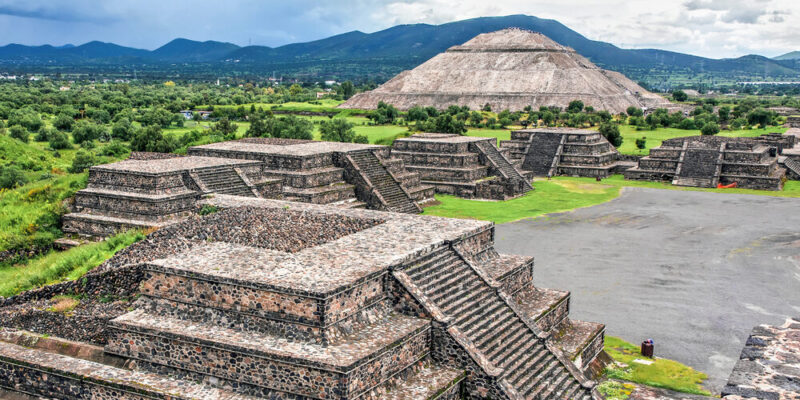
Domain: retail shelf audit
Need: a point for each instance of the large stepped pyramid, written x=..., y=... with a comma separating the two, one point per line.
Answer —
x=330, y=172
x=706, y=161
x=563, y=151
x=287, y=300
x=144, y=192
x=463, y=166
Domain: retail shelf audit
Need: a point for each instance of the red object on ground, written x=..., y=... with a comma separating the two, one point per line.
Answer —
x=731, y=186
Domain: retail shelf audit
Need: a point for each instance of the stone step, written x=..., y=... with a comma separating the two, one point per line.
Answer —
x=321, y=194
x=101, y=226
x=427, y=261
x=434, y=270
x=546, y=307
x=426, y=381
x=269, y=364
x=50, y=375
x=580, y=341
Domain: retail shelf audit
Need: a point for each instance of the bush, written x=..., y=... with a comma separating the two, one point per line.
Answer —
x=687, y=124
x=384, y=114
x=114, y=149
x=151, y=139
x=82, y=161
x=575, y=106
x=20, y=133
x=43, y=134
x=634, y=111
x=63, y=122
x=641, y=143
x=59, y=141
x=85, y=131
x=710, y=128
x=611, y=132
x=11, y=177
x=337, y=130
x=680, y=95
x=122, y=130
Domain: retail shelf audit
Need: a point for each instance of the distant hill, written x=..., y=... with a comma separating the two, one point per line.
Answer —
x=186, y=50
x=382, y=54
x=795, y=55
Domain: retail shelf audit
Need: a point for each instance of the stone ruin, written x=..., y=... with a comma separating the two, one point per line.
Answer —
x=509, y=69
x=769, y=365
x=706, y=161
x=347, y=174
x=284, y=300
x=563, y=151
x=151, y=190
x=464, y=166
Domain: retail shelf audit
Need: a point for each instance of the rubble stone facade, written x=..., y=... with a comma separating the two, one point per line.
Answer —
x=706, y=161
x=563, y=151
x=287, y=300
x=463, y=166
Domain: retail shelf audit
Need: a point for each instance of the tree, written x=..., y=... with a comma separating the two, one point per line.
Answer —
x=11, y=177
x=710, y=128
x=760, y=117
x=295, y=89
x=680, y=95
x=258, y=127
x=122, y=129
x=641, y=143
x=59, y=141
x=611, y=132
x=487, y=107
x=348, y=90
x=85, y=131
x=384, y=114
x=687, y=124
x=575, y=106
x=20, y=133
x=416, y=113
x=634, y=111
x=157, y=116
x=225, y=127
x=724, y=113
x=63, y=122
x=151, y=139
x=82, y=161
x=292, y=127
x=337, y=130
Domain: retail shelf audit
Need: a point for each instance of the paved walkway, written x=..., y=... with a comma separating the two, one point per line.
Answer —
x=695, y=271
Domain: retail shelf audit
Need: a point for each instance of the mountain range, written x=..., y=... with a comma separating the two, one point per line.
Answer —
x=393, y=49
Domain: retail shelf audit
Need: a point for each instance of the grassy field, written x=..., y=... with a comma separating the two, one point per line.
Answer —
x=549, y=197
x=655, y=137
x=661, y=373
x=60, y=266
x=562, y=194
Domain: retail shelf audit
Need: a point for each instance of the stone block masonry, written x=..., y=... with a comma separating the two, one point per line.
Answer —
x=346, y=174
x=287, y=300
x=151, y=192
x=463, y=166
x=705, y=161
x=563, y=151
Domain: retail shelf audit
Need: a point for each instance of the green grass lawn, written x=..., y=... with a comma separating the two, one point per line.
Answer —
x=562, y=194
x=661, y=373
x=549, y=197
x=500, y=134
x=655, y=137
x=57, y=266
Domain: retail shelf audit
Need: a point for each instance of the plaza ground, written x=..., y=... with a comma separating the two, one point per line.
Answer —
x=695, y=271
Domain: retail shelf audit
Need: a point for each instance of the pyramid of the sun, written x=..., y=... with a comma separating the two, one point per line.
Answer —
x=509, y=69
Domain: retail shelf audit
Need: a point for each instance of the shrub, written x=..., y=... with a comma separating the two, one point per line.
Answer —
x=710, y=128
x=114, y=149
x=687, y=124
x=85, y=131
x=63, y=122
x=82, y=161
x=611, y=132
x=575, y=106
x=122, y=129
x=59, y=141
x=641, y=143
x=680, y=95
x=43, y=134
x=20, y=133
x=634, y=111
x=151, y=139
x=11, y=177
x=337, y=130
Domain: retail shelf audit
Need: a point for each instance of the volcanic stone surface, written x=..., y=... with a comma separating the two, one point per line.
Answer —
x=509, y=69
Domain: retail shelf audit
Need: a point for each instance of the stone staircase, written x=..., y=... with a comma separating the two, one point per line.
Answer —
x=501, y=163
x=705, y=161
x=393, y=194
x=493, y=328
x=563, y=151
x=792, y=165
x=225, y=181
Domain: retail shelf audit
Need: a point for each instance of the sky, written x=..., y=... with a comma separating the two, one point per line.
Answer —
x=710, y=28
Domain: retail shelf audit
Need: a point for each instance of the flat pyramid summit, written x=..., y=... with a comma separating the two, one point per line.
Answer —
x=509, y=69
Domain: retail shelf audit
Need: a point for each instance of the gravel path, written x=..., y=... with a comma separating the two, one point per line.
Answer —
x=695, y=271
